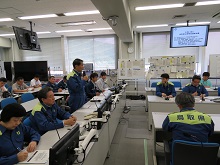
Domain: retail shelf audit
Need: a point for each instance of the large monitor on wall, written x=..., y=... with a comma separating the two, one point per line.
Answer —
x=27, y=69
x=26, y=39
x=8, y=70
x=189, y=36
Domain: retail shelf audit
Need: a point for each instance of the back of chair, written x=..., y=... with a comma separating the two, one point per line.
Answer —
x=26, y=97
x=10, y=89
x=153, y=84
x=6, y=86
x=7, y=101
x=193, y=153
x=218, y=91
x=177, y=84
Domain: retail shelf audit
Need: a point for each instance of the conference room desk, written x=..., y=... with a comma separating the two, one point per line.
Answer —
x=158, y=133
x=159, y=104
x=29, y=105
x=96, y=152
x=152, y=91
x=35, y=91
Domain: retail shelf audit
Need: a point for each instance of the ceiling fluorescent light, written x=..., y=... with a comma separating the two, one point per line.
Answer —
x=82, y=13
x=193, y=23
x=77, y=23
x=38, y=16
x=207, y=3
x=5, y=19
x=5, y=35
x=150, y=26
x=97, y=29
x=218, y=22
x=159, y=7
x=68, y=31
x=47, y=32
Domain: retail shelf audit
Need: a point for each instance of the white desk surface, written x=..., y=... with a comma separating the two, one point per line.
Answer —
x=158, y=118
x=29, y=105
x=64, y=92
x=178, y=89
x=34, y=91
x=153, y=98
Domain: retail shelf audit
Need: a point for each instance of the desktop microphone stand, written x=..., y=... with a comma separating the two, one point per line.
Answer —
x=216, y=84
x=180, y=84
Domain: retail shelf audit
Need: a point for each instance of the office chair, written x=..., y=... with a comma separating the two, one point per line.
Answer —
x=153, y=84
x=191, y=153
x=10, y=89
x=7, y=101
x=27, y=122
x=218, y=91
x=6, y=86
x=43, y=86
x=28, y=83
x=27, y=97
x=177, y=84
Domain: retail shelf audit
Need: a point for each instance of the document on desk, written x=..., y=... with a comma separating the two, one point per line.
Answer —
x=37, y=157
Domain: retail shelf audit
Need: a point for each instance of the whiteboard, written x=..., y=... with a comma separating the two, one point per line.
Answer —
x=131, y=69
x=214, y=65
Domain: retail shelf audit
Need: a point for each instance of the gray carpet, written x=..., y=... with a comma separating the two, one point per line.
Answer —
x=136, y=133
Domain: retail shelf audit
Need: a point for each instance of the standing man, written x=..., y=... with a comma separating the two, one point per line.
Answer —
x=101, y=82
x=165, y=88
x=90, y=88
x=195, y=88
x=75, y=86
x=35, y=82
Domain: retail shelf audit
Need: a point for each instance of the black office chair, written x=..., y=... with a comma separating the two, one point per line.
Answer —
x=191, y=153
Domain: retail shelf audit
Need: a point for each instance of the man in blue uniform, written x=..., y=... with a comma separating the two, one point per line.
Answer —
x=12, y=134
x=52, y=83
x=90, y=88
x=195, y=88
x=47, y=115
x=188, y=124
x=76, y=86
x=62, y=84
x=165, y=88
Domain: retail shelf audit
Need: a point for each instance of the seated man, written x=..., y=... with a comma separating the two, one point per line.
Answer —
x=188, y=124
x=47, y=115
x=195, y=88
x=51, y=83
x=12, y=133
x=205, y=80
x=62, y=84
x=90, y=88
x=35, y=82
x=165, y=88
x=101, y=82
x=3, y=81
x=19, y=86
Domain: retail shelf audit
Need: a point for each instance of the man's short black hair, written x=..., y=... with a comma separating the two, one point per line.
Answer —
x=51, y=77
x=196, y=77
x=65, y=77
x=3, y=79
x=103, y=74
x=206, y=74
x=12, y=110
x=37, y=76
x=93, y=75
x=42, y=94
x=165, y=75
x=77, y=61
x=19, y=78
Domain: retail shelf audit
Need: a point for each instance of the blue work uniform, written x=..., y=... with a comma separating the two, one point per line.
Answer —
x=62, y=85
x=53, y=86
x=45, y=118
x=189, y=122
x=200, y=89
x=12, y=141
x=168, y=89
x=76, y=90
x=91, y=90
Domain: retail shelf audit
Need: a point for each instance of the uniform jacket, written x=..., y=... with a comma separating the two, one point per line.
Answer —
x=168, y=90
x=91, y=90
x=200, y=89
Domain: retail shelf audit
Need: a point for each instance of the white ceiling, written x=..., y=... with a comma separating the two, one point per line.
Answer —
x=16, y=8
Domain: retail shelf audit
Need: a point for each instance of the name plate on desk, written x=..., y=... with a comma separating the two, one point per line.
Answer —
x=37, y=157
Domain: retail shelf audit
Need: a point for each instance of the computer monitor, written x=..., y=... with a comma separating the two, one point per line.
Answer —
x=62, y=152
x=88, y=66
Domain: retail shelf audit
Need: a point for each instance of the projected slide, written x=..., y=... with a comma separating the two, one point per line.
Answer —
x=189, y=36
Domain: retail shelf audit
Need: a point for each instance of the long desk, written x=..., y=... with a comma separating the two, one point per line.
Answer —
x=30, y=91
x=158, y=118
x=96, y=152
x=159, y=104
x=152, y=91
